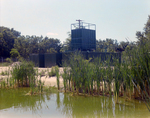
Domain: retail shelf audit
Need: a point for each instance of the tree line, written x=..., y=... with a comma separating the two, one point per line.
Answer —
x=13, y=44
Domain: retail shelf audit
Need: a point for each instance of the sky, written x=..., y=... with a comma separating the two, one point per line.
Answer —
x=115, y=19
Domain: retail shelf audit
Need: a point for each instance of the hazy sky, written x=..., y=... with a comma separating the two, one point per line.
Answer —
x=116, y=19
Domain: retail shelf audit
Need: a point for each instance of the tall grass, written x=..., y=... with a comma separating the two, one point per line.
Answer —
x=139, y=60
x=130, y=79
x=23, y=74
x=57, y=76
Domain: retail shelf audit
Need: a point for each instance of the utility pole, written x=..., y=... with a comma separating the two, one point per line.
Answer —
x=79, y=22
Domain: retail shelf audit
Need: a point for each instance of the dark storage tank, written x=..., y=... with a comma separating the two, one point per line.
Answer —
x=83, y=36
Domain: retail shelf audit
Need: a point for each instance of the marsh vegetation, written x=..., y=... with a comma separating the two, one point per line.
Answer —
x=24, y=74
x=129, y=79
x=94, y=77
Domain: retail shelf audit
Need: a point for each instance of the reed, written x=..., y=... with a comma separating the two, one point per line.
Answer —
x=109, y=78
x=69, y=79
x=98, y=75
x=57, y=75
x=64, y=75
x=22, y=73
x=85, y=73
x=139, y=71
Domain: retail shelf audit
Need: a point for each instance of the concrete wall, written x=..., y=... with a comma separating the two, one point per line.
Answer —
x=49, y=60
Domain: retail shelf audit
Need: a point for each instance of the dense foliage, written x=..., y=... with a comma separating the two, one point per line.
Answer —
x=12, y=44
x=7, y=38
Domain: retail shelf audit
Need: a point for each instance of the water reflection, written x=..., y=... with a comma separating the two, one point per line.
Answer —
x=87, y=106
x=80, y=106
x=64, y=105
x=16, y=98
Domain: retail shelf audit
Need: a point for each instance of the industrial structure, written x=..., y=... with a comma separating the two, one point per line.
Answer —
x=83, y=39
x=83, y=36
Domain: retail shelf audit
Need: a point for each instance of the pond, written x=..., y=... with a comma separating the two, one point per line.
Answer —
x=15, y=103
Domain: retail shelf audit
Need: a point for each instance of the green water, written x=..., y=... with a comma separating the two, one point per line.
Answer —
x=15, y=104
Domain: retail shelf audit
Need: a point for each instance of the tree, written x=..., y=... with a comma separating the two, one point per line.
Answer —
x=147, y=28
x=48, y=43
x=22, y=45
x=67, y=44
x=14, y=53
x=144, y=37
x=7, y=37
x=33, y=44
x=51, y=50
x=107, y=45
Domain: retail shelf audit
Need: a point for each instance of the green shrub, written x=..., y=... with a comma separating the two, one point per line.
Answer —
x=9, y=60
